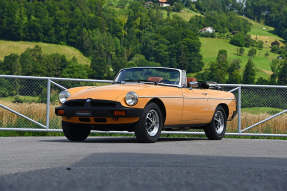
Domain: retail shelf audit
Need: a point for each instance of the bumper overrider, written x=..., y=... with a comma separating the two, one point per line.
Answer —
x=90, y=111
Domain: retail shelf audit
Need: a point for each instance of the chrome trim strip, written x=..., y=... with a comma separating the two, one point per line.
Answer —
x=185, y=97
x=208, y=98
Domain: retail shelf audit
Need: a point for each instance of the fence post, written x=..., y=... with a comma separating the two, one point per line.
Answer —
x=239, y=109
x=48, y=103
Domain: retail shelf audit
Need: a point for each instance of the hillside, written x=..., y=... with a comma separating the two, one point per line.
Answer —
x=211, y=46
x=8, y=47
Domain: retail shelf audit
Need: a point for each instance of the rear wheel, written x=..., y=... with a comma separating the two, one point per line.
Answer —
x=215, y=130
x=74, y=133
x=150, y=124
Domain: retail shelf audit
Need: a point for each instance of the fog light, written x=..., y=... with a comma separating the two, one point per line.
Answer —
x=119, y=112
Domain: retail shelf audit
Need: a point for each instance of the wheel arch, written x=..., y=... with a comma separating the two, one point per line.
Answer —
x=161, y=106
x=226, y=109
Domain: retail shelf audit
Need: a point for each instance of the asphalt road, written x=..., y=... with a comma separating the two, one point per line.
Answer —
x=120, y=163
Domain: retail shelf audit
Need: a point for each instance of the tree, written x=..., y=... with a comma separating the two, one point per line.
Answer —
x=139, y=60
x=249, y=72
x=262, y=81
x=75, y=70
x=238, y=40
x=252, y=52
x=11, y=65
x=218, y=69
x=275, y=68
x=26, y=62
x=260, y=44
x=54, y=64
x=98, y=65
x=275, y=48
x=241, y=51
x=233, y=70
x=282, y=75
x=36, y=55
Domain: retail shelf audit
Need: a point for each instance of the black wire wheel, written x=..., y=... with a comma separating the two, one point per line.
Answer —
x=75, y=133
x=150, y=124
x=215, y=130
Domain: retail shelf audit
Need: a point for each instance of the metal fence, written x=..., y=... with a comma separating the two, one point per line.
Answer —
x=27, y=104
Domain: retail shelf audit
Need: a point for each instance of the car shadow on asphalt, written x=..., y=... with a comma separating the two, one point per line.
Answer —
x=122, y=139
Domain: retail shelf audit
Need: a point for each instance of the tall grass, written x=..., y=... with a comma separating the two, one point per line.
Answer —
x=35, y=111
x=276, y=125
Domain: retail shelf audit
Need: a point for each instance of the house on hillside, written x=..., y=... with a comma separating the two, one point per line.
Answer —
x=163, y=3
x=279, y=57
x=275, y=43
x=148, y=4
x=207, y=30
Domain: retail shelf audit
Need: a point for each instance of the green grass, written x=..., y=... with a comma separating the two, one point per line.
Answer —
x=258, y=110
x=186, y=14
x=18, y=47
x=25, y=98
x=262, y=32
x=211, y=46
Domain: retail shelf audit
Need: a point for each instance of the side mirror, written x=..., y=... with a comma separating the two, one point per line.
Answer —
x=193, y=85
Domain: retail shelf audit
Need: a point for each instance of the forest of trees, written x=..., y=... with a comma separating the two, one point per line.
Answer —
x=117, y=34
x=110, y=37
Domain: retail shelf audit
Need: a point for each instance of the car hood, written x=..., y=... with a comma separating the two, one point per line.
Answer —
x=110, y=92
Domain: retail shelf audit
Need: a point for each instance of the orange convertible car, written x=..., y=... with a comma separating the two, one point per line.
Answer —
x=147, y=100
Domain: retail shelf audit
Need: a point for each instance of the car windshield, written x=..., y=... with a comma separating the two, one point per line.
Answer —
x=149, y=75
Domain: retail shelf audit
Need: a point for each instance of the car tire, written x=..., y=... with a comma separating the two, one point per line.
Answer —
x=150, y=124
x=215, y=130
x=74, y=133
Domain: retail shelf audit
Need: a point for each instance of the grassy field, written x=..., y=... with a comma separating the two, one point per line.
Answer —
x=186, y=14
x=8, y=47
x=211, y=46
x=264, y=33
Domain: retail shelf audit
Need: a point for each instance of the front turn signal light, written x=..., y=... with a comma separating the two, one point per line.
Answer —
x=119, y=112
x=61, y=112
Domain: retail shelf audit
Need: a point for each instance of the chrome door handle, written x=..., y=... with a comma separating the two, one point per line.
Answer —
x=204, y=93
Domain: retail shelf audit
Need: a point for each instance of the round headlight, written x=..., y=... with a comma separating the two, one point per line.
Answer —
x=131, y=98
x=63, y=96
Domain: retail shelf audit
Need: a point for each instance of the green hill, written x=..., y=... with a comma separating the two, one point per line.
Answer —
x=8, y=47
x=211, y=46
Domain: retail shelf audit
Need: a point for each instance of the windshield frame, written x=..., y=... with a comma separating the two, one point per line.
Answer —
x=182, y=74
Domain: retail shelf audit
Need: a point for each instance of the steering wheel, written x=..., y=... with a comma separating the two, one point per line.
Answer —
x=164, y=81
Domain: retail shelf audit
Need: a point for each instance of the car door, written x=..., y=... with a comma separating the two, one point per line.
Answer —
x=195, y=105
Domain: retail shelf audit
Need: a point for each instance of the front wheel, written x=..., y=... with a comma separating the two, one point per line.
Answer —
x=74, y=133
x=150, y=124
x=215, y=130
